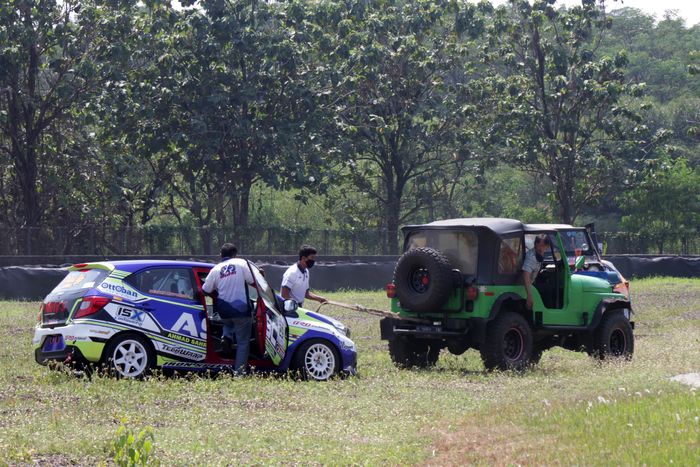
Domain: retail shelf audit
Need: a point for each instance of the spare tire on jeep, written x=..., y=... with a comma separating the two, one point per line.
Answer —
x=424, y=280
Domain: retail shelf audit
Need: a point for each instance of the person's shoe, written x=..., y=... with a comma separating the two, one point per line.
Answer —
x=227, y=346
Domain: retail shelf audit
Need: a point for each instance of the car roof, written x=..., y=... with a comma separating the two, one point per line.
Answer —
x=499, y=225
x=554, y=227
x=136, y=264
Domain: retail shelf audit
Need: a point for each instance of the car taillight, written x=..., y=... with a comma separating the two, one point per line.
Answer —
x=472, y=293
x=91, y=305
x=390, y=290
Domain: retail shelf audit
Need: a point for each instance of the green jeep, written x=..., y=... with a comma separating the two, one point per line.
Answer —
x=460, y=281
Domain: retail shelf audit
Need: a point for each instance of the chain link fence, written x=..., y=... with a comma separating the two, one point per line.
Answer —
x=174, y=240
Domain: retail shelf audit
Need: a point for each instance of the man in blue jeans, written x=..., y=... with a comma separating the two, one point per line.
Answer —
x=228, y=279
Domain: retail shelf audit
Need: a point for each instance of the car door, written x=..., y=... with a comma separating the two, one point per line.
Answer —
x=272, y=325
x=172, y=300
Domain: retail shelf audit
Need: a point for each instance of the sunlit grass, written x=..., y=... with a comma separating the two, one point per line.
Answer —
x=569, y=410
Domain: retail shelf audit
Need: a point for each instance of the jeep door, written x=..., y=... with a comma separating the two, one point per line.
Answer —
x=271, y=324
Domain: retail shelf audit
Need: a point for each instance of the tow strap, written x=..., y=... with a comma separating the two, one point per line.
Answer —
x=370, y=311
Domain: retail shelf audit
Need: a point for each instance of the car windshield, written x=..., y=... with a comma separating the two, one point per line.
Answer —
x=460, y=247
x=576, y=243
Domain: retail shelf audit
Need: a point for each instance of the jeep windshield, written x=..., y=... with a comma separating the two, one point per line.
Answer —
x=459, y=247
x=576, y=243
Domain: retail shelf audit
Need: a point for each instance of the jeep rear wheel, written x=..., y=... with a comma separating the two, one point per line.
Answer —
x=407, y=352
x=614, y=337
x=423, y=279
x=508, y=344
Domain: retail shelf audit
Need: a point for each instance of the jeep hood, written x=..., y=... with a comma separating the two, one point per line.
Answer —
x=592, y=284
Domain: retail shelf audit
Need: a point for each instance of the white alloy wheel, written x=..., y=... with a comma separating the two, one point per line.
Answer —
x=130, y=358
x=319, y=361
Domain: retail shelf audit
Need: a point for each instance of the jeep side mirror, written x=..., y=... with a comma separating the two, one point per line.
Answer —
x=290, y=306
x=580, y=262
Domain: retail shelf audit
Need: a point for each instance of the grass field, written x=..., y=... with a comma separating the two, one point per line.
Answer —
x=570, y=410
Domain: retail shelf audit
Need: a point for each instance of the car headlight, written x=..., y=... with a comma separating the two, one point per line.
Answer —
x=340, y=327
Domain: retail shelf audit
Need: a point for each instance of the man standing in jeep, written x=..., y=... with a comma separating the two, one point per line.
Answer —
x=532, y=264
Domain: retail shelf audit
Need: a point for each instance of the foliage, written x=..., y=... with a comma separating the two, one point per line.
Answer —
x=132, y=449
x=122, y=117
x=401, y=100
x=561, y=109
x=665, y=206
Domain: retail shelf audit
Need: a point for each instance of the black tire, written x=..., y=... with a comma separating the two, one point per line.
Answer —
x=407, y=352
x=423, y=279
x=129, y=356
x=508, y=344
x=614, y=337
x=317, y=360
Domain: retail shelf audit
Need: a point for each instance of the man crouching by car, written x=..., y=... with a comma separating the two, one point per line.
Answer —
x=227, y=282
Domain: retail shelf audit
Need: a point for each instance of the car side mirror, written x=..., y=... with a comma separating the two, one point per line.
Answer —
x=580, y=262
x=290, y=306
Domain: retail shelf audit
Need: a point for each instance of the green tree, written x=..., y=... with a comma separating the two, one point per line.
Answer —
x=665, y=206
x=401, y=102
x=558, y=108
x=54, y=56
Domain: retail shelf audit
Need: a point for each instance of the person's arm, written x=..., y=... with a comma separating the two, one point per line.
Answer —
x=209, y=286
x=287, y=284
x=312, y=296
x=285, y=292
x=527, y=278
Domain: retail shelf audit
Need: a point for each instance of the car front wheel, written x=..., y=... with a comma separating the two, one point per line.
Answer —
x=129, y=356
x=614, y=337
x=317, y=360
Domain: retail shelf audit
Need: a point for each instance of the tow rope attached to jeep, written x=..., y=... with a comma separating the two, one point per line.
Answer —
x=370, y=311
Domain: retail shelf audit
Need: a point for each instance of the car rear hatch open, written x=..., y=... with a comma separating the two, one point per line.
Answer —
x=60, y=303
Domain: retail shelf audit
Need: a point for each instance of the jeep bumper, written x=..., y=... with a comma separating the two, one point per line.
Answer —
x=471, y=330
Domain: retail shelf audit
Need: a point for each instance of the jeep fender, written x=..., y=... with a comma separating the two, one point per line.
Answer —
x=498, y=304
x=478, y=332
x=607, y=305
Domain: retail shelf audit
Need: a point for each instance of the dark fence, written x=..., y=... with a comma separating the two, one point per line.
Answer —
x=174, y=240
x=333, y=273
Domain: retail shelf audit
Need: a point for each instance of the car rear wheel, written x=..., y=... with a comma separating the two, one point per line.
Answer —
x=614, y=337
x=508, y=343
x=317, y=360
x=129, y=356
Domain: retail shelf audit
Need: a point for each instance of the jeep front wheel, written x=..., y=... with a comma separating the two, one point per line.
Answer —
x=508, y=344
x=614, y=337
x=407, y=352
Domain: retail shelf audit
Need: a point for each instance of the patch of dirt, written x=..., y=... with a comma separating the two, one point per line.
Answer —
x=691, y=315
x=691, y=379
x=488, y=445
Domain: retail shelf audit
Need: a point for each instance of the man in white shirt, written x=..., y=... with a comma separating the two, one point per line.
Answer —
x=295, y=281
x=533, y=264
x=228, y=279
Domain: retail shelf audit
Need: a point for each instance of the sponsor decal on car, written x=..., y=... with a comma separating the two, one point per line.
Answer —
x=118, y=289
x=130, y=316
x=173, y=349
x=187, y=340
